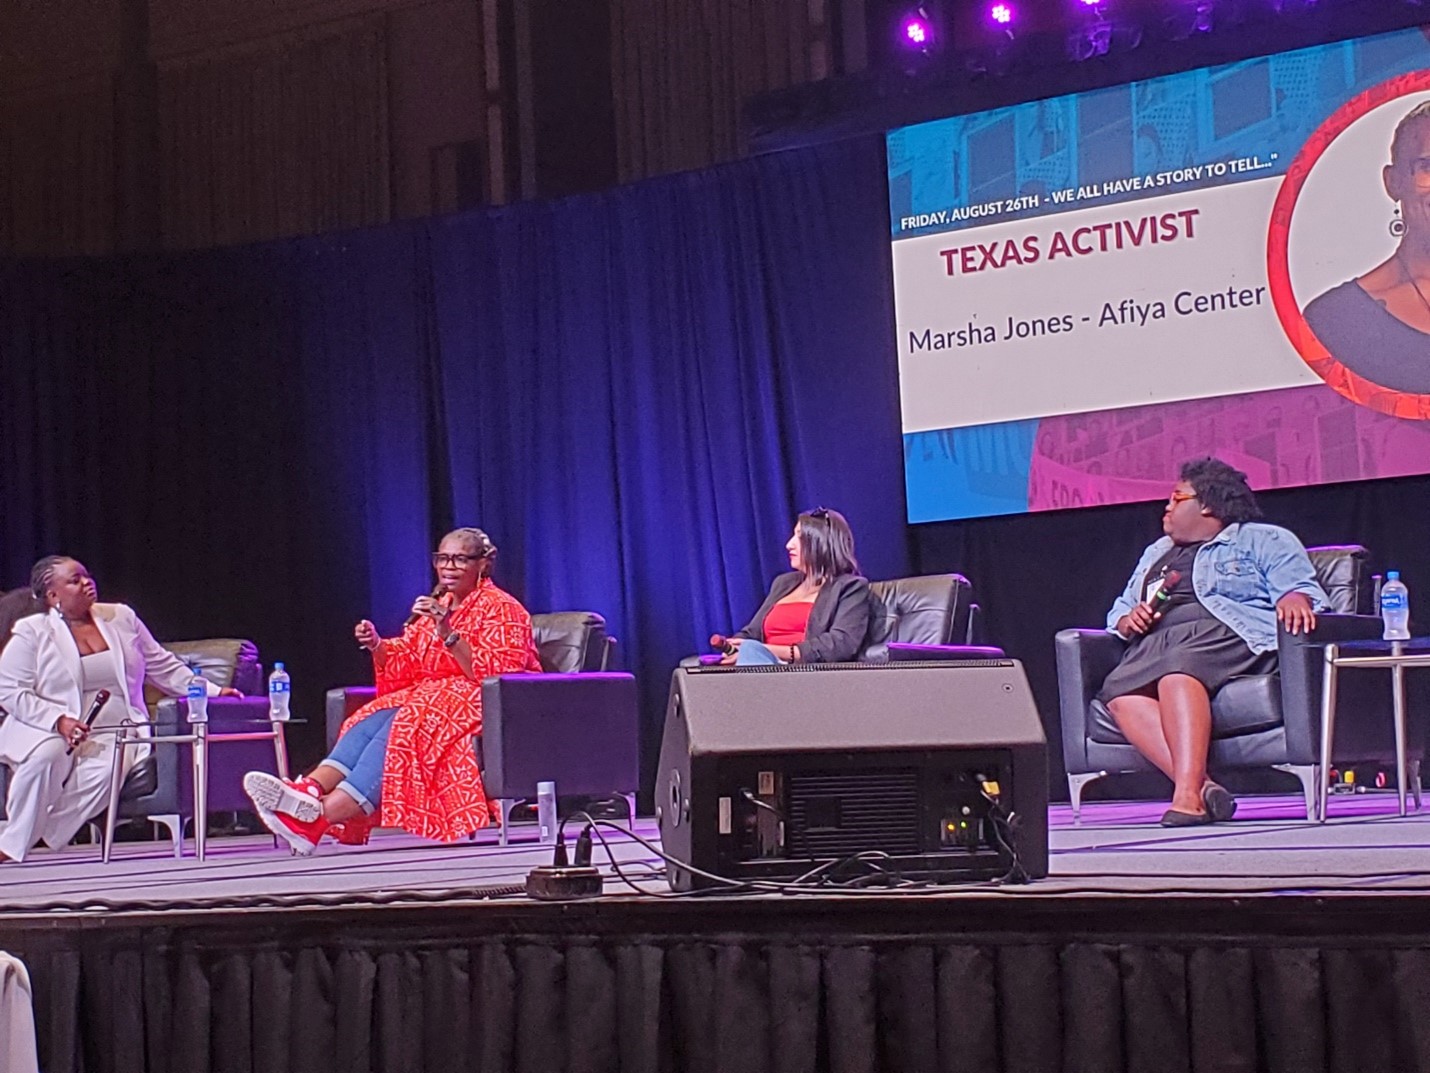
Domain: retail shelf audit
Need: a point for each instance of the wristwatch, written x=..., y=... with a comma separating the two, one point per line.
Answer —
x=451, y=639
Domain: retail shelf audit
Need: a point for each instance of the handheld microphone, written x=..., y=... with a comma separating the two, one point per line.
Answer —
x=722, y=643
x=437, y=591
x=100, y=700
x=1163, y=596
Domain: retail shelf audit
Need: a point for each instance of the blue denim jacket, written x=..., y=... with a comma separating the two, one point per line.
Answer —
x=1238, y=576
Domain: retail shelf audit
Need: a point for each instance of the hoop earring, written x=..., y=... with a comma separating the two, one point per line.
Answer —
x=1397, y=225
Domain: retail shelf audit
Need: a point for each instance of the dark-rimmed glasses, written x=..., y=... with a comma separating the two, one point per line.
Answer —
x=1180, y=497
x=461, y=562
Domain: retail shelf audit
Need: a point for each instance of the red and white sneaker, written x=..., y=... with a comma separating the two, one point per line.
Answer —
x=302, y=799
x=302, y=836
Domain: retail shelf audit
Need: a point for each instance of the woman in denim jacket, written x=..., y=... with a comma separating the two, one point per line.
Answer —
x=1201, y=608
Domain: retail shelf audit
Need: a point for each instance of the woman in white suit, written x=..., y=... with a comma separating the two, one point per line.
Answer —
x=51, y=669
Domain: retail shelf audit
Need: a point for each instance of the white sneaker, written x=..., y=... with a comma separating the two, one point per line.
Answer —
x=271, y=794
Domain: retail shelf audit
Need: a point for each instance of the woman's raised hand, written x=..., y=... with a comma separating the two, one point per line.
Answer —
x=366, y=634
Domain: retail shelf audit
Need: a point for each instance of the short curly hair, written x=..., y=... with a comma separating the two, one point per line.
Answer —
x=1222, y=490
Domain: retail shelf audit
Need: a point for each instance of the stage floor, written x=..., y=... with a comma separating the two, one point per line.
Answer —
x=1118, y=849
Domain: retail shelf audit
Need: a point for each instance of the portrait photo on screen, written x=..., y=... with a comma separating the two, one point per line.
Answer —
x=1358, y=248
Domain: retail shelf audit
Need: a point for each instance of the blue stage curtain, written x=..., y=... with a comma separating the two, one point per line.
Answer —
x=633, y=392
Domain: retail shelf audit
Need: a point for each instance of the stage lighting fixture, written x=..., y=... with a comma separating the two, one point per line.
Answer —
x=917, y=32
x=919, y=36
x=1001, y=14
x=1089, y=41
x=1195, y=17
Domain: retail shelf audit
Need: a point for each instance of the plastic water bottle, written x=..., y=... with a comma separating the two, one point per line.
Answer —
x=280, y=690
x=198, y=696
x=546, y=811
x=1395, y=607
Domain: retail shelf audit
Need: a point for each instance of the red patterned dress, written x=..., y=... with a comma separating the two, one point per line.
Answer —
x=431, y=785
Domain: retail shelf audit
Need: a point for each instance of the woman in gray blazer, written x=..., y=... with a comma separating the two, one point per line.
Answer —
x=819, y=611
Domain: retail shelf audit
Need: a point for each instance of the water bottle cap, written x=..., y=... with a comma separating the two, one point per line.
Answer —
x=1392, y=575
x=278, y=666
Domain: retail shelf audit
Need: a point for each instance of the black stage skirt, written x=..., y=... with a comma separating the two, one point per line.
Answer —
x=1189, y=640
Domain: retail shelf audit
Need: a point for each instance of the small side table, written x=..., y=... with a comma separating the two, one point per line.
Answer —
x=200, y=737
x=1394, y=655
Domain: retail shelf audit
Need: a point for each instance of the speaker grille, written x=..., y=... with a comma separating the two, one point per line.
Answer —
x=837, y=814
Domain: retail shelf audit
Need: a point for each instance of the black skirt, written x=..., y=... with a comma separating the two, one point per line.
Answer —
x=1189, y=640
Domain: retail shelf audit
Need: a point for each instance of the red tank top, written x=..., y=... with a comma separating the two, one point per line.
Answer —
x=786, y=624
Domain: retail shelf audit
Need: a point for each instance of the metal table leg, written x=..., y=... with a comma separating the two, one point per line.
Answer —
x=201, y=787
x=1328, y=727
x=1397, y=697
x=280, y=749
x=116, y=783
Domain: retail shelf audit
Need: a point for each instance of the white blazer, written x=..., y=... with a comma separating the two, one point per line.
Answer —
x=40, y=677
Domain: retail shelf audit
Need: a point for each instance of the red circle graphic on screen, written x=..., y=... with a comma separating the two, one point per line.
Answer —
x=1322, y=361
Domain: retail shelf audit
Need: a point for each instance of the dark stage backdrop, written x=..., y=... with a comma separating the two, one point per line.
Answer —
x=633, y=392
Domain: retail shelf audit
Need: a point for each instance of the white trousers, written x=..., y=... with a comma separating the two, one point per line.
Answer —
x=45, y=807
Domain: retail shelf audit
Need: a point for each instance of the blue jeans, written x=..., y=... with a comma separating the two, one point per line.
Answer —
x=359, y=755
x=754, y=654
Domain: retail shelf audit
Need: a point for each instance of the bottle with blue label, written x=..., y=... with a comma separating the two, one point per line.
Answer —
x=1395, y=607
x=198, y=696
x=280, y=689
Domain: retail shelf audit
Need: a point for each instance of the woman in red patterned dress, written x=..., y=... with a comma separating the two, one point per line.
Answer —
x=405, y=759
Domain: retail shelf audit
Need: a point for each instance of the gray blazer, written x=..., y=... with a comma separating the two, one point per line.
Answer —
x=838, y=621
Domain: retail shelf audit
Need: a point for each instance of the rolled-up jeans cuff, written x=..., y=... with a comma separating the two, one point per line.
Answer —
x=340, y=768
x=352, y=791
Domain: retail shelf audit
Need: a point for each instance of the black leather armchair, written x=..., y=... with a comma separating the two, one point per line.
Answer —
x=932, y=616
x=1257, y=721
x=576, y=724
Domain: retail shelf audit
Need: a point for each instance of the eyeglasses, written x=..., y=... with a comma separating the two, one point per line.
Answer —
x=1180, y=497
x=461, y=562
x=822, y=513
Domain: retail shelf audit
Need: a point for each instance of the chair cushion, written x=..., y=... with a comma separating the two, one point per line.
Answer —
x=1344, y=572
x=225, y=661
x=1245, y=705
x=569, y=641
x=923, y=610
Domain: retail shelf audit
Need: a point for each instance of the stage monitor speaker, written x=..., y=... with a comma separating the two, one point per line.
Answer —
x=767, y=772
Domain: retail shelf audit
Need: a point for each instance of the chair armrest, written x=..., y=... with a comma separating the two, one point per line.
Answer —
x=581, y=731
x=1084, y=658
x=899, y=651
x=341, y=703
x=1302, y=665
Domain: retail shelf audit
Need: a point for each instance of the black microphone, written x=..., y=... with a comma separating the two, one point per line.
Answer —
x=1163, y=596
x=721, y=643
x=437, y=591
x=100, y=700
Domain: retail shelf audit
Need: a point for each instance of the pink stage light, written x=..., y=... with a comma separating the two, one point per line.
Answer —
x=1001, y=13
x=916, y=32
